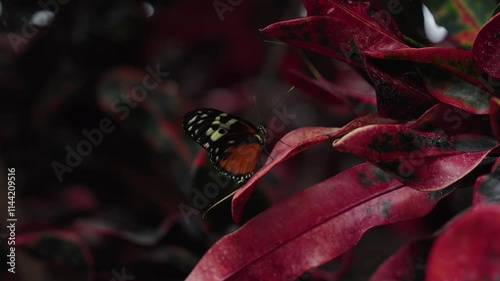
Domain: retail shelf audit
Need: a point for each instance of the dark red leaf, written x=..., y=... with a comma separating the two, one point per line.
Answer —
x=292, y=144
x=399, y=95
x=420, y=160
x=468, y=248
x=335, y=36
x=458, y=62
x=486, y=48
x=328, y=92
x=487, y=187
x=312, y=227
x=451, y=121
x=450, y=89
x=347, y=9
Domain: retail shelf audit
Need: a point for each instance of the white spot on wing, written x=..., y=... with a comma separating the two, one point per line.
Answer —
x=192, y=120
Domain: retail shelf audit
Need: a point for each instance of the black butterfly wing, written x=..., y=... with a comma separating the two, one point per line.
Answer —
x=234, y=144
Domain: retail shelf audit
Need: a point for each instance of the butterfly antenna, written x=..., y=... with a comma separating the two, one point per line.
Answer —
x=257, y=109
x=267, y=151
x=310, y=65
x=218, y=202
x=280, y=100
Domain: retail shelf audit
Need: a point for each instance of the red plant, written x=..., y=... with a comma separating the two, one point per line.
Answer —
x=436, y=131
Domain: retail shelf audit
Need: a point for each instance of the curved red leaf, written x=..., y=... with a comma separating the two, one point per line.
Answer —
x=354, y=11
x=458, y=62
x=453, y=90
x=468, y=248
x=487, y=187
x=328, y=92
x=421, y=160
x=486, y=47
x=451, y=121
x=292, y=144
x=312, y=227
x=334, y=36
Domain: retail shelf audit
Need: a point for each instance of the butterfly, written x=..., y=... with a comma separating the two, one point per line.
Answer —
x=234, y=144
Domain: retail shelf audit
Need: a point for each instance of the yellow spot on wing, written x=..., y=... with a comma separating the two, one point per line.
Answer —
x=216, y=135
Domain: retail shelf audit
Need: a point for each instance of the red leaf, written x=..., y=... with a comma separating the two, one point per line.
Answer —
x=420, y=160
x=399, y=95
x=328, y=92
x=452, y=90
x=292, y=144
x=360, y=10
x=458, y=62
x=486, y=48
x=451, y=121
x=487, y=187
x=468, y=248
x=334, y=36
x=312, y=227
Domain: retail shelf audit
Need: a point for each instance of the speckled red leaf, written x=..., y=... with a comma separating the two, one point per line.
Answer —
x=400, y=95
x=458, y=62
x=362, y=10
x=487, y=187
x=421, y=160
x=292, y=144
x=338, y=35
x=468, y=248
x=328, y=92
x=407, y=264
x=450, y=89
x=462, y=19
x=451, y=121
x=312, y=227
x=486, y=48
x=495, y=116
